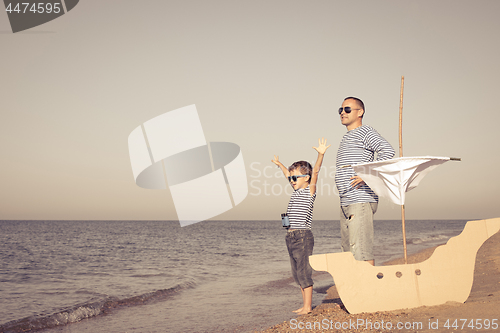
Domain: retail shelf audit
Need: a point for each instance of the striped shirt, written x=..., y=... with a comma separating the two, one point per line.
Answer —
x=300, y=208
x=359, y=146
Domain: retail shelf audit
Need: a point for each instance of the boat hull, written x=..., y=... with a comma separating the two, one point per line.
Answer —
x=446, y=276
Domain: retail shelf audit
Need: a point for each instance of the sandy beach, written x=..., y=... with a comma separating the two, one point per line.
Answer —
x=481, y=311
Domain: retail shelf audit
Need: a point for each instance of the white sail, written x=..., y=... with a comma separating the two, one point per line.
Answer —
x=393, y=178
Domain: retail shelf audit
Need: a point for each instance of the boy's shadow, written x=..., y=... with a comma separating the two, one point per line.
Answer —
x=332, y=298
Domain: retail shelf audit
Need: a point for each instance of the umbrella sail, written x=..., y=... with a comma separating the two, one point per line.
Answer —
x=393, y=178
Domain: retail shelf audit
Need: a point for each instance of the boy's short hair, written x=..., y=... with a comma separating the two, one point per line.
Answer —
x=304, y=167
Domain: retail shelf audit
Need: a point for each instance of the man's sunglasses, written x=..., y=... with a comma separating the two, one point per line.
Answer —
x=347, y=109
x=294, y=178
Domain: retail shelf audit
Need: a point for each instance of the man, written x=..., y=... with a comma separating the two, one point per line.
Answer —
x=358, y=202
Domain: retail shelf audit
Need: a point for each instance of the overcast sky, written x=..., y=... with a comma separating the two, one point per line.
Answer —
x=266, y=75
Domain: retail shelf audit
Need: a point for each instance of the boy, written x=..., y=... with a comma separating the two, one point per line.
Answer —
x=299, y=238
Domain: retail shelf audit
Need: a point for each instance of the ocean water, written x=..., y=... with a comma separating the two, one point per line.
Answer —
x=154, y=276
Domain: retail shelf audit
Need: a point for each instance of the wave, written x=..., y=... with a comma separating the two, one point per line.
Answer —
x=87, y=310
x=426, y=239
x=231, y=254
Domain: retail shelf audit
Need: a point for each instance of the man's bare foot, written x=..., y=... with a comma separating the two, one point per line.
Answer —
x=303, y=312
x=298, y=310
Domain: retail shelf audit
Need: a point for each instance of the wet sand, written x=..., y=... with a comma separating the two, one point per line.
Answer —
x=481, y=308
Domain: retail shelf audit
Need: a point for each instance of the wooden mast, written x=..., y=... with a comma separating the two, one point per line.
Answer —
x=401, y=155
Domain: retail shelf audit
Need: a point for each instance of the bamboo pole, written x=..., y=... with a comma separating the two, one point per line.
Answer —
x=401, y=117
x=401, y=155
x=404, y=231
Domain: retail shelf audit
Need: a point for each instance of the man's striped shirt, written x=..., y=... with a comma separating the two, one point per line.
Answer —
x=300, y=208
x=359, y=146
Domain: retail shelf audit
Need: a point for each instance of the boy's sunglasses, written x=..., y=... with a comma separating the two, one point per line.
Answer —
x=294, y=178
x=347, y=109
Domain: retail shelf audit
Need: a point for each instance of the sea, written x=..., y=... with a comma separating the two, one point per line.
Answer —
x=155, y=276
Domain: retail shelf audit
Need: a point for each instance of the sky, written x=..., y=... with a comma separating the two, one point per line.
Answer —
x=266, y=75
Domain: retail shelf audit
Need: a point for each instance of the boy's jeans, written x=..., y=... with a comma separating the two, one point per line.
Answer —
x=300, y=245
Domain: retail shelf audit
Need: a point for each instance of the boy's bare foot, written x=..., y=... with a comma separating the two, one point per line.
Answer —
x=298, y=310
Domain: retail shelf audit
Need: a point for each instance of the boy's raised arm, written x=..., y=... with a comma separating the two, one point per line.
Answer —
x=281, y=166
x=321, y=149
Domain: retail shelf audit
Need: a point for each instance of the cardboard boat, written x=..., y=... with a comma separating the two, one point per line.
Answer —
x=446, y=276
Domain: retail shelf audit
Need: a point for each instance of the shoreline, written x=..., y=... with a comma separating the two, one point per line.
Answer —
x=480, y=308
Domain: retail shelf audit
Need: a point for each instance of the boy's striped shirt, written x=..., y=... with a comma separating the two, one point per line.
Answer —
x=300, y=209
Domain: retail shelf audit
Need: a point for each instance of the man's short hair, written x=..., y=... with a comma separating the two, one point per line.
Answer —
x=360, y=103
x=304, y=167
